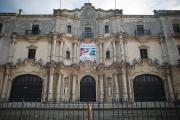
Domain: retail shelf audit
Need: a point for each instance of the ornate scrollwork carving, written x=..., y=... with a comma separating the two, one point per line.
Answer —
x=87, y=67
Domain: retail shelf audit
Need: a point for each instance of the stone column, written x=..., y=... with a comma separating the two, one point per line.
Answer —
x=54, y=47
x=170, y=86
x=4, y=94
x=114, y=51
x=74, y=88
x=122, y=48
x=100, y=51
x=12, y=49
x=59, y=85
x=163, y=48
x=50, y=89
x=116, y=87
x=125, y=92
x=75, y=53
x=101, y=88
x=61, y=51
x=45, y=88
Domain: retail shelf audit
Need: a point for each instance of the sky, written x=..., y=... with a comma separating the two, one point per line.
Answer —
x=129, y=6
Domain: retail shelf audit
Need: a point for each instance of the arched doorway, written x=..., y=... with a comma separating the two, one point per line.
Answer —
x=27, y=88
x=148, y=87
x=88, y=89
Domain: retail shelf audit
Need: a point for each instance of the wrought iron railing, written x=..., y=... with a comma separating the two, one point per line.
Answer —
x=30, y=32
x=124, y=110
x=142, y=32
x=87, y=35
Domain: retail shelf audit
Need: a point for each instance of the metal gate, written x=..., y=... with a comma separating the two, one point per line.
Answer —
x=87, y=89
x=148, y=88
x=26, y=88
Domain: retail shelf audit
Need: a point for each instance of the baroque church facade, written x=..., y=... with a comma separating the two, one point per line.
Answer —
x=90, y=54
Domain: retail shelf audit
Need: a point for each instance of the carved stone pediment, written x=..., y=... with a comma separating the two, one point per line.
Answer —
x=87, y=67
x=148, y=62
x=143, y=38
x=32, y=38
x=66, y=36
x=30, y=62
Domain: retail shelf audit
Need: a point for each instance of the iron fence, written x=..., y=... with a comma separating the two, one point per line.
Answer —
x=116, y=110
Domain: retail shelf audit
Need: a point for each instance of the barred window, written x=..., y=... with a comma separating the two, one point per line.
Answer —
x=143, y=53
x=140, y=29
x=35, y=29
x=69, y=29
x=87, y=29
x=1, y=25
x=179, y=50
x=106, y=28
x=176, y=28
x=107, y=55
x=31, y=53
x=67, y=55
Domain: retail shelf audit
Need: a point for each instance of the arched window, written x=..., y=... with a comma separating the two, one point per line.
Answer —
x=26, y=88
x=88, y=89
x=67, y=55
x=148, y=88
x=69, y=29
x=107, y=55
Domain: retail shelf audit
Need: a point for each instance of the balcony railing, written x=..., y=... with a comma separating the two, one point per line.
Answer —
x=176, y=35
x=87, y=35
x=142, y=32
x=31, y=32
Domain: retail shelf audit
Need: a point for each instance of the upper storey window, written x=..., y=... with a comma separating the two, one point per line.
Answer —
x=87, y=29
x=176, y=28
x=1, y=25
x=69, y=29
x=88, y=32
x=143, y=53
x=179, y=50
x=107, y=55
x=67, y=55
x=140, y=29
x=35, y=29
x=31, y=53
x=106, y=28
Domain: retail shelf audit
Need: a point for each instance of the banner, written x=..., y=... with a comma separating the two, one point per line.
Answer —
x=87, y=52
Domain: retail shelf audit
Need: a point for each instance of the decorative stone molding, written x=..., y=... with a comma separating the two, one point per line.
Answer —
x=87, y=67
x=143, y=38
x=32, y=62
x=32, y=47
x=32, y=38
x=143, y=47
x=141, y=62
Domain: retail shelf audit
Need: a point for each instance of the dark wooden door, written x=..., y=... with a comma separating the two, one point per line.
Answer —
x=87, y=89
x=26, y=88
x=148, y=88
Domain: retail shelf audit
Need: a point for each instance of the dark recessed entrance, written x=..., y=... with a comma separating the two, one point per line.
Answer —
x=88, y=89
x=148, y=88
x=27, y=88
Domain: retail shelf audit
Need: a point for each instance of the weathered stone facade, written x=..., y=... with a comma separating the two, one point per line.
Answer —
x=114, y=75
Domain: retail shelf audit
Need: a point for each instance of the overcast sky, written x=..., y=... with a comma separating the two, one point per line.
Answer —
x=128, y=6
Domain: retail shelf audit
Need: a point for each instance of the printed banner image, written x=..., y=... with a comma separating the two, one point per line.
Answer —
x=87, y=52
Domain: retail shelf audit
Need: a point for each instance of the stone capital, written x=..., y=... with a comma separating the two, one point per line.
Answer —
x=51, y=70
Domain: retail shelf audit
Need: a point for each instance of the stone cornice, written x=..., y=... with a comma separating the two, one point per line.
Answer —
x=106, y=37
x=65, y=36
x=32, y=62
x=143, y=39
x=31, y=38
x=149, y=62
